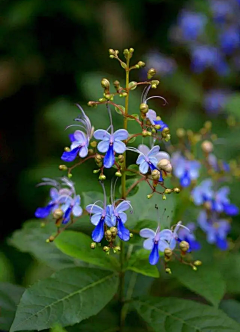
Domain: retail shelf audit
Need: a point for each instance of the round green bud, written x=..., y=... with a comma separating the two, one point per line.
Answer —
x=167, y=191
x=155, y=174
x=151, y=73
x=131, y=235
x=184, y=245
x=117, y=248
x=164, y=197
x=207, y=146
x=165, y=132
x=149, y=133
x=91, y=103
x=124, y=94
x=42, y=224
x=69, y=175
x=116, y=84
x=67, y=149
x=57, y=214
x=51, y=238
x=168, y=252
x=157, y=127
x=168, y=270
x=165, y=165
x=149, y=196
x=194, y=268
x=181, y=132
x=197, y=263
x=120, y=158
x=141, y=64
x=108, y=233
x=111, y=51
x=93, y=245
x=90, y=152
x=113, y=231
x=111, y=56
x=105, y=83
x=119, y=174
x=102, y=100
x=98, y=158
x=62, y=167
x=176, y=190
x=154, y=131
x=106, y=249
x=144, y=133
x=144, y=108
x=102, y=177
x=131, y=50
x=95, y=171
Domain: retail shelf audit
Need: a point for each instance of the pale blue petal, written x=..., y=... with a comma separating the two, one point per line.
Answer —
x=123, y=206
x=119, y=146
x=80, y=137
x=83, y=151
x=144, y=149
x=103, y=146
x=110, y=220
x=222, y=194
x=95, y=218
x=65, y=206
x=162, y=155
x=173, y=243
x=123, y=216
x=93, y=208
x=154, y=151
x=211, y=237
x=140, y=159
x=194, y=169
x=74, y=145
x=77, y=200
x=120, y=134
x=162, y=245
x=143, y=168
x=54, y=194
x=153, y=160
x=179, y=169
x=147, y=233
x=166, y=234
x=148, y=244
x=101, y=134
x=77, y=210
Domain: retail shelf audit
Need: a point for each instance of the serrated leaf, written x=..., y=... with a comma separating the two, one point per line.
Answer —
x=139, y=262
x=207, y=281
x=178, y=315
x=144, y=208
x=78, y=245
x=66, y=298
x=231, y=308
x=32, y=239
x=9, y=298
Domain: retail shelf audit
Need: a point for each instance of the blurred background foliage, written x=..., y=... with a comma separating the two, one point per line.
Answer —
x=53, y=55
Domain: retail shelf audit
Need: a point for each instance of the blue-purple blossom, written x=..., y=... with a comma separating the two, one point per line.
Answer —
x=203, y=192
x=147, y=158
x=187, y=234
x=184, y=169
x=164, y=65
x=111, y=143
x=191, y=24
x=63, y=198
x=207, y=56
x=152, y=117
x=216, y=229
x=215, y=101
x=222, y=9
x=230, y=39
x=80, y=140
x=156, y=242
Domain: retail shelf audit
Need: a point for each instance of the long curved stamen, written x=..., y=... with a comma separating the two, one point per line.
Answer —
x=157, y=97
x=110, y=117
x=113, y=187
x=95, y=203
x=64, y=196
x=104, y=194
x=69, y=183
x=49, y=182
x=75, y=125
x=146, y=90
x=131, y=148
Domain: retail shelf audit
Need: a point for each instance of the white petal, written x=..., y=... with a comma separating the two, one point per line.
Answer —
x=77, y=210
x=123, y=217
x=162, y=245
x=162, y=155
x=79, y=136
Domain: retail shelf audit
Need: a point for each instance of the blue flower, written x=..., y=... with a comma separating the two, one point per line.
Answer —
x=98, y=218
x=185, y=170
x=79, y=139
x=221, y=9
x=203, y=192
x=186, y=234
x=221, y=203
x=215, y=229
x=206, y=56
x=215, y=101
x=152, y=116
x=164, y=65
x=52, y=205
x=230, y=40
x=111, y=143
x=157, y=242
x=147, y=158
x=71, y=208
x=191, y=24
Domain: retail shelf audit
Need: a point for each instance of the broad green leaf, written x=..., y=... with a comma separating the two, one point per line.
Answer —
x=130, y=186
x=230, y=269
x=90, y=197
x=144, y=208
x=231, y=308
x=178, y=315
x=9, y=298
x=66, y=298
x=78, y=245
x=134, y=168
x=32, y=239
x=207, y=281
x=233, y=105
x=6, y=269
x=139, y=263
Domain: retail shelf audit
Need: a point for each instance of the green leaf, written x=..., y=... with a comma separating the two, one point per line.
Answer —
x=139, y=263
x=233, y=105
x=32, y=239
x=135, y=116
x=134, y=168
x=128, y=184
x=6, y=269
x=207, y=281
x=144, y=208
x=57, y=328
x=66, y=298
x=78, y=245
x=178, y=315
x=118, y=110
x=230, y=269
x=9, y=298
x=231, y=308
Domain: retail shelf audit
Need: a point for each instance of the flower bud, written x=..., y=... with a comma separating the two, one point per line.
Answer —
x=208, y=125
x=93, y=245
x=95, y=171
x=62, y=167
x=154, y=84
x=144, y=108
x=67, y=149
x=165, y=165
x=149, y=133
x=113, y=231
x=180, y=132
x=157, y=126
x=51, y=238
x=167, y=191
x=155, y=174
x=111, y=51
x=119, y=174
x=58, y=213
x=207, y=146
x=108, y=233
x=106, y=249
x=141, y=64
x=176, y=190
x=92, y=103
x=194, y=268
x=151, y=73
x=168, y=252
x=165, y=132
x=93, y=144
x=105, y=84
x=117, y=248
x=149, y=196
x=102, y=177
x=144, y=133
x=131, y=235
x=168, y=270
x=69, y=175
x=98, y=158
x=184, y=245
x=197, y=263
x=90, y=152
x=116, y=84
x=121, y=158
x=164, y=197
